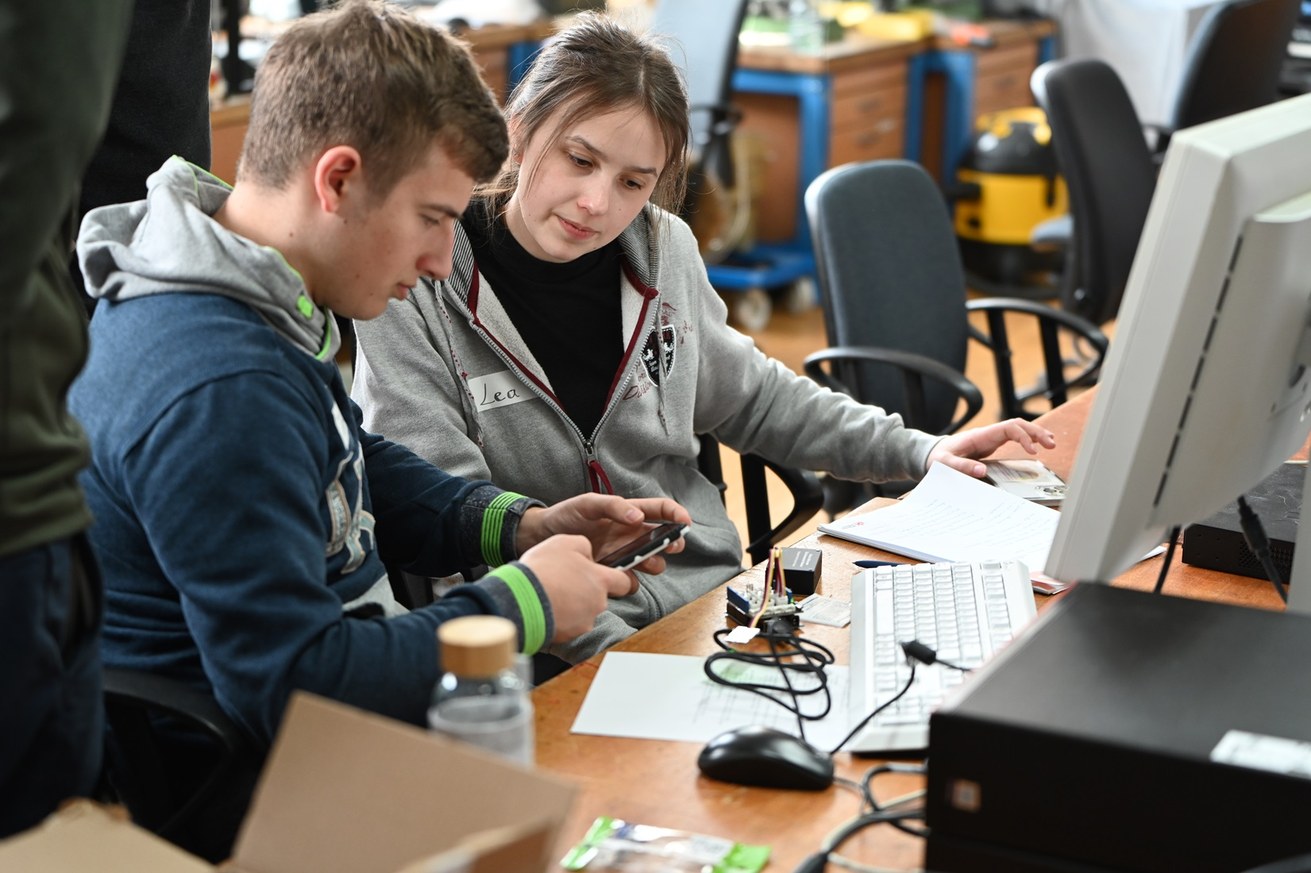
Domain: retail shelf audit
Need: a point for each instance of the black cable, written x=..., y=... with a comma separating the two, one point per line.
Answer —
x=814, y=658
x=926, y=655
x=816, y=862
x=1169, y=556
x=867, y=790
x=866, y=720
x=915, y=651
x=1254, y=535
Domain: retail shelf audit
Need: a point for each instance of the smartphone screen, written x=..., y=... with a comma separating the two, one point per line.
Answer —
x=652, y=541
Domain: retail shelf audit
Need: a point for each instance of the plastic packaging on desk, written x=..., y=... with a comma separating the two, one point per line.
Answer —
x=615, y=846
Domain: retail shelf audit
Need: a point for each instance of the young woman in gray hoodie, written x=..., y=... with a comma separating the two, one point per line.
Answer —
x=577, y=344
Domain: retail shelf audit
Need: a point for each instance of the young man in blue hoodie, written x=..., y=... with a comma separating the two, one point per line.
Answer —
x=242, y=514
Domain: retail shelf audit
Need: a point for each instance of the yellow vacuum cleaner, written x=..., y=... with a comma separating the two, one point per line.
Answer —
x=1007, y=186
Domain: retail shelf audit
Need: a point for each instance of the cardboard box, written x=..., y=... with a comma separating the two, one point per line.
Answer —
x=344, y=791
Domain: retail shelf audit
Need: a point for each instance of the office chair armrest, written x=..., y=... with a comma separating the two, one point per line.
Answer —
x=807, y=500
x=803, y=485
x=914, y=368
x=164, y=695
x=1051, y=322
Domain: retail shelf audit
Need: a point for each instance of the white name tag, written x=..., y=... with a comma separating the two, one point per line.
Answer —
x=498, y=389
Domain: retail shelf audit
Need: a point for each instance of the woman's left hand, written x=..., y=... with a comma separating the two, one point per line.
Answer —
x=960, y=450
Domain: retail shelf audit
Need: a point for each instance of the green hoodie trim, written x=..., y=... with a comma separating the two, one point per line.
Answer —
x=328, y=324
x=493, y=527
x=530, y=607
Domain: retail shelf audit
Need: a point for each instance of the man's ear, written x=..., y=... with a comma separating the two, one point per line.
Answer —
x=338, y=175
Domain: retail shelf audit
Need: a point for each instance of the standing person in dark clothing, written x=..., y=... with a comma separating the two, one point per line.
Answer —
x=58, y=63
x=160, y=107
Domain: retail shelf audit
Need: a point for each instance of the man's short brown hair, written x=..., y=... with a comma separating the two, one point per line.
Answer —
x=369, y=75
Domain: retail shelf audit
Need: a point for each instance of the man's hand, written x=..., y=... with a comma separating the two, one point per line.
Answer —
x=958, y=450
x=576, y=585
x=606, y=521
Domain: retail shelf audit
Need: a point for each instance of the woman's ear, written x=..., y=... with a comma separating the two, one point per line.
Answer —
x=516, y=142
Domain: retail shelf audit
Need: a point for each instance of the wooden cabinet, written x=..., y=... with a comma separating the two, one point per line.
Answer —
x=869, y=114
x=802, y=114
x=953, y=85
x=227, y=127
x=1001, y=77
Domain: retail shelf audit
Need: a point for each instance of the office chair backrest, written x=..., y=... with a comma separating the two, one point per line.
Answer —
x=1234, y=60
x=864, y=220
x=1103, y=153
x=702, y=40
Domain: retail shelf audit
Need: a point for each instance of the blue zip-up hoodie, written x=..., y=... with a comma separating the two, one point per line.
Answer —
x=241, y=511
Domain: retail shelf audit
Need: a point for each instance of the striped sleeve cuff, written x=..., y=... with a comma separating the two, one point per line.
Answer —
x=520, y=598
x=491, y=522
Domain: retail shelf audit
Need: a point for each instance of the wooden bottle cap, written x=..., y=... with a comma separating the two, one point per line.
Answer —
x=477, y=646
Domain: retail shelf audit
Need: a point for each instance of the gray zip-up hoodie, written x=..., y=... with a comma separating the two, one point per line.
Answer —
x=446, y=373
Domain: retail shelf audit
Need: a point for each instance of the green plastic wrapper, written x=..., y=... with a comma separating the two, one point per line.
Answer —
x=616, y=846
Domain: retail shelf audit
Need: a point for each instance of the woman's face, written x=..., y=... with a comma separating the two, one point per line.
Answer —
x=578, y=191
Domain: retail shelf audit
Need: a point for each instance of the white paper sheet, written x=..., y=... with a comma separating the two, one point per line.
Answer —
x=669, y=697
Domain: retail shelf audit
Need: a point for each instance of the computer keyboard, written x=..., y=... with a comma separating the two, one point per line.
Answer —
x=964, y=611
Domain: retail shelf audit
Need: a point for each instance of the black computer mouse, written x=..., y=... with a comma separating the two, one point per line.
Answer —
x=766, y=757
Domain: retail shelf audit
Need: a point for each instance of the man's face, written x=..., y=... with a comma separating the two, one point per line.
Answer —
x=578, y=193
x=383, y=247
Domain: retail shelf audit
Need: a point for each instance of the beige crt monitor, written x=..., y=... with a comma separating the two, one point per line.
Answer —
x=1207, y=387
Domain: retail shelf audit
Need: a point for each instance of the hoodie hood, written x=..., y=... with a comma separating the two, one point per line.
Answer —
x=169, y=243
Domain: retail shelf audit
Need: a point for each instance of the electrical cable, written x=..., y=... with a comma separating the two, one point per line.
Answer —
x=1169, y=557
x=816, y=862
x=874, y=806
x=1254, y=535
x=813, y=659
x=915, y=652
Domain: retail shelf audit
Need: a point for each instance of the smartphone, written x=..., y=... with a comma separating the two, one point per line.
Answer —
x=1028, y=478
x=652, y=541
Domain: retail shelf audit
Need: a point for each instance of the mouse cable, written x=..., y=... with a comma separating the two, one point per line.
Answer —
x=910, y=680
x=1169, y=556
x=804, y=657
x=816, y=862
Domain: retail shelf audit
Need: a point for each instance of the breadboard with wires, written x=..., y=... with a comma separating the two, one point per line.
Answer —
x=757, y=603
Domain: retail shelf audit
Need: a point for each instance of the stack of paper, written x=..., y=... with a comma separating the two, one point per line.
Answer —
x=950, y=516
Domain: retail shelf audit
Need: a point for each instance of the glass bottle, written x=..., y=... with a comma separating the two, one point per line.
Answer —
x=481, y=698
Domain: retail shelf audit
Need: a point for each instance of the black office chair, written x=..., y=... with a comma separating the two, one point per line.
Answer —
x=803, y=485
x=195, y=798
x=1234, y=62
x=896, y=312
x=702, y=39
x=1110, y=174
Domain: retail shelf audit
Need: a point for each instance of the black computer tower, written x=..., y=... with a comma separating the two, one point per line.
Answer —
x=1217, y=543
x=1131, y=732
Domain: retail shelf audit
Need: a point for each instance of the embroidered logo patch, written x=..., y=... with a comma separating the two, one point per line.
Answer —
x=659, y=351
x=498, y=389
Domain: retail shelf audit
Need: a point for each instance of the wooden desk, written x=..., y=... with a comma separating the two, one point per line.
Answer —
x=809, y=112
x=657, y=782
